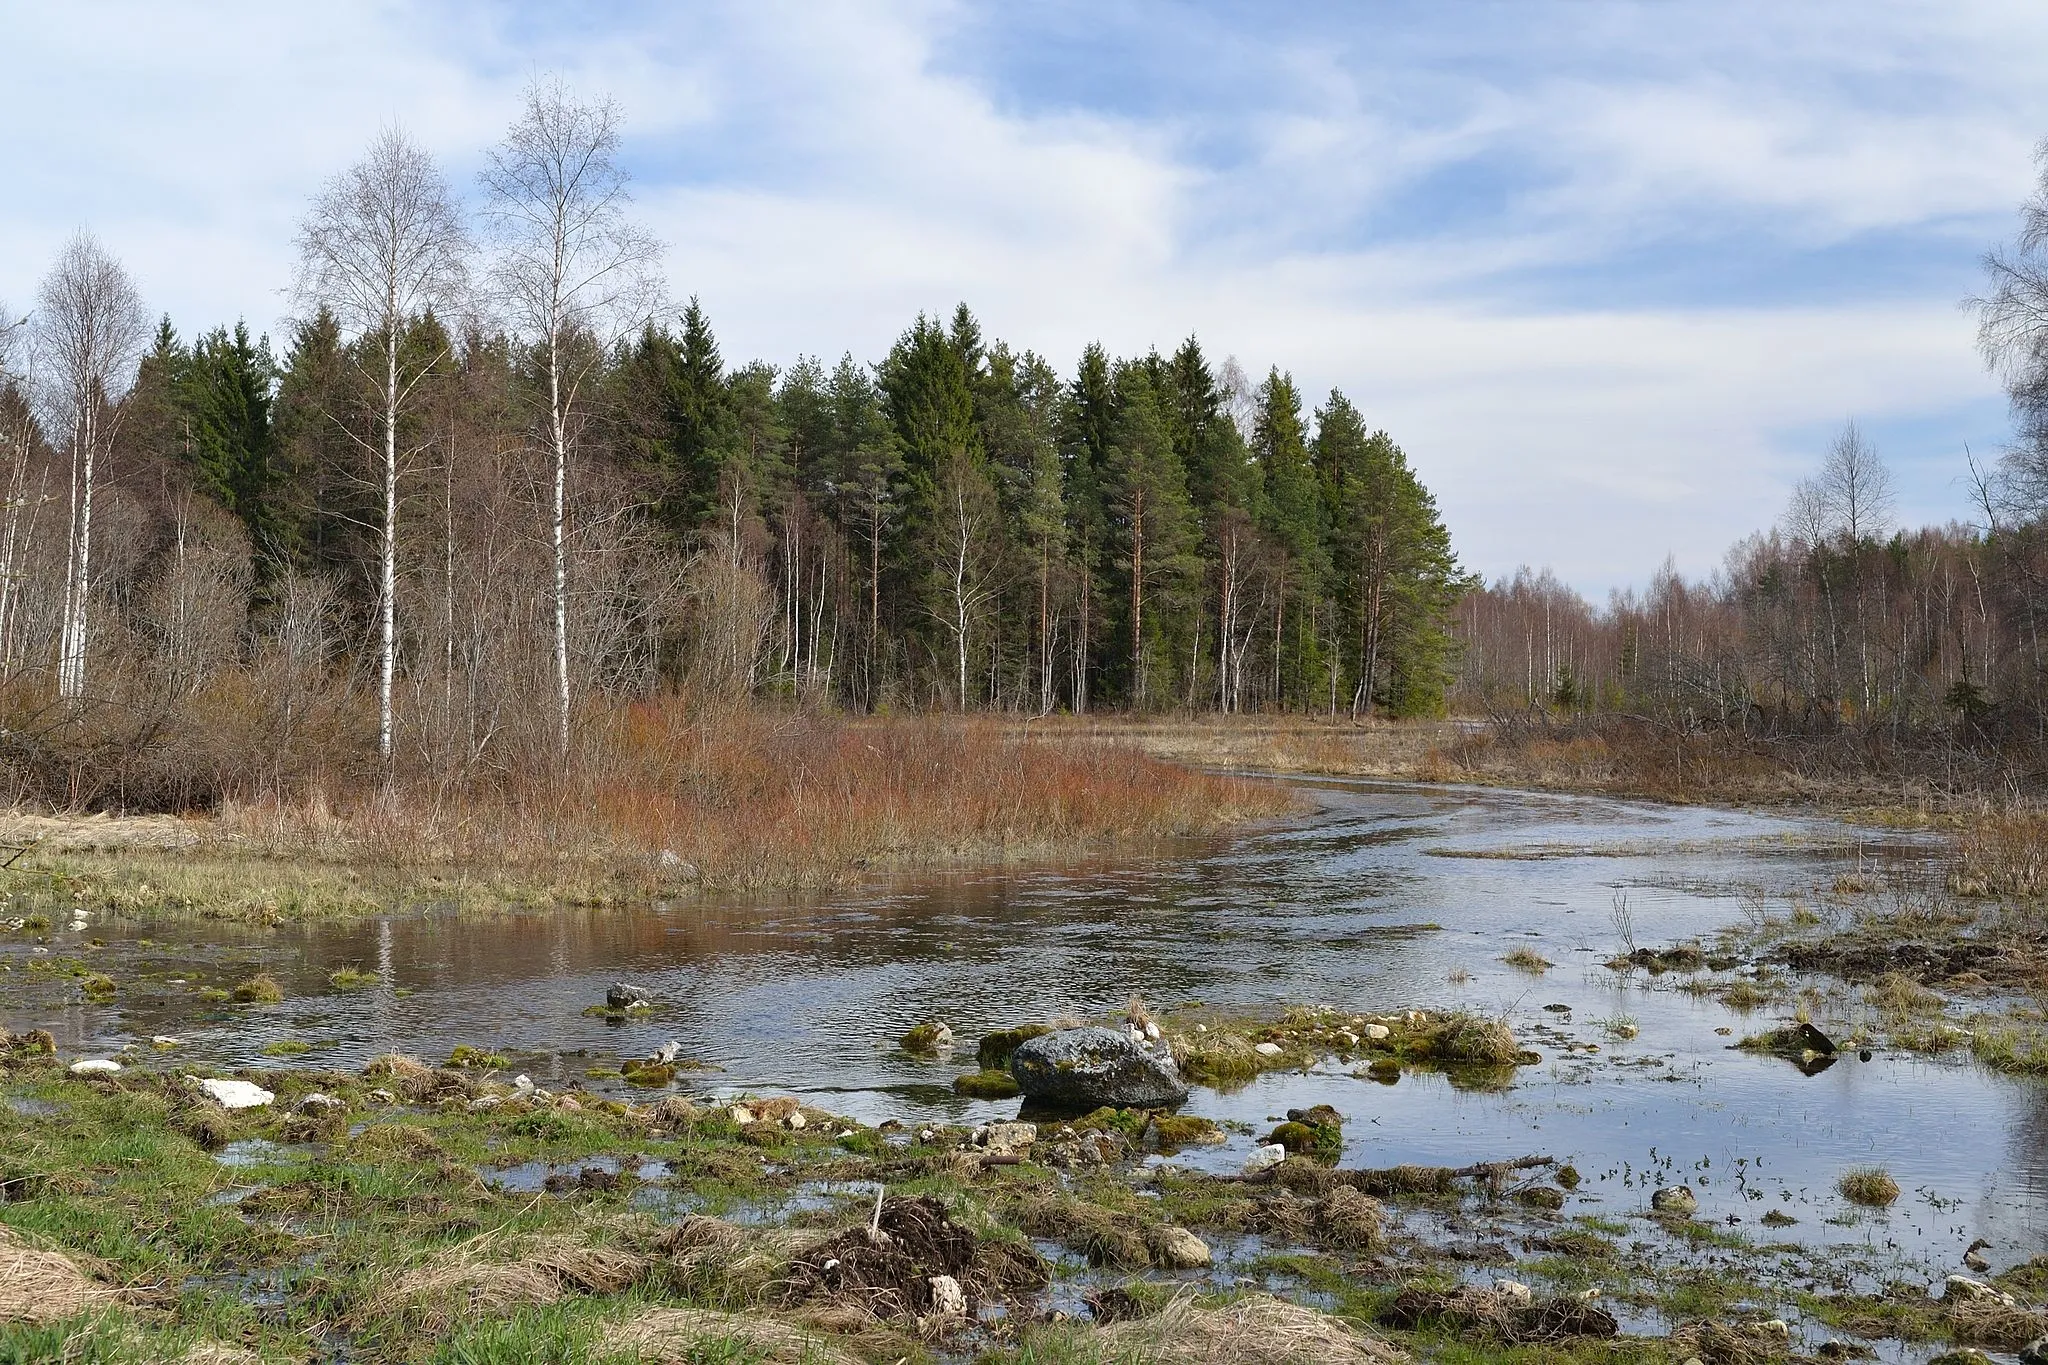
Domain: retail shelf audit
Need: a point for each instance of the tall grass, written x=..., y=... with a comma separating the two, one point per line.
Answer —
x=745, y=797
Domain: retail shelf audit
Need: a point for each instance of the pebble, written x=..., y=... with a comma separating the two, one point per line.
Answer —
x=949, y=1300
x=742, y=1115
x=1179, y=1249
x=1379, y=1033
x=381, y=1096
x=95, y=1066
x=1514, y=1290
x=317, y=1102
x=483, y=1102
x=1264, y=1158
x=237, y=1094
x=1267, y=1049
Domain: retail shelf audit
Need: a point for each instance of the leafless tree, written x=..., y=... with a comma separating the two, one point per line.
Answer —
x=383, y=244
x=1854, y=486
x=2012, y=332
x=573, y=276
x=89, y=332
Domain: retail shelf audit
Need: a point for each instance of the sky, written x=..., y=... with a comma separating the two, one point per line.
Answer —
x=1611, y=273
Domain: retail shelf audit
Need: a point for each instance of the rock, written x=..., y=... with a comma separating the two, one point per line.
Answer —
x=1264, y=1158
x=569, y=1104
x=317, y=1103
x=949, y=1300
x=1175, y=1248
x=796, y=1120
x=2035, y=1352
x=165, y=1040
x=485, y=1102
x=669, y=1053
x=1975, y=1260
x=522, y=1083
x=1005, y=1139
x=1963, y=1289
x=927, y=1038
x=1378, y=1033
x=237, y=1094
x=381, y=1096
x=778, y=1110
x=1267, y=1049
x=94, y=1066
x=1675, y=1199
x=1088, y=1068
x=622, y=995
x=1514, y=1291
x=742, y=1115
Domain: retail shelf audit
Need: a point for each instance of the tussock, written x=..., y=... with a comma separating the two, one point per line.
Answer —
x=1995, y=1323
x=1102, y=1236
x=1255, y=1330
x=1351, y=1220
x=686, y=1336
x=219, y=1353
x=460, y=1282
x=1492, y=1313
x=1741, y=1343
x=397, y=1139
x=39, y=1285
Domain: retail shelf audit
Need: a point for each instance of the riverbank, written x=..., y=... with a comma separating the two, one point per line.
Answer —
x=459, y=1213
x=745, y=801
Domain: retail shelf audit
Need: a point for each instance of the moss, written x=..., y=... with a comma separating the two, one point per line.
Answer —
x=286, y=1047
x=1528, y=960
x=352, y=979
x=467, y=1057
x=260, y=989
x=994, y=1051
x=926, y=1039
x=1171, y=1132
x=986, y=1085
x=98, y=986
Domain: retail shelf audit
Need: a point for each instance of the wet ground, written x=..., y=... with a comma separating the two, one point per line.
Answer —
x=1390, y=896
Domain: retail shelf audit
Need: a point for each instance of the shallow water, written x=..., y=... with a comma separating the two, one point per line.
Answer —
x=1373, y=903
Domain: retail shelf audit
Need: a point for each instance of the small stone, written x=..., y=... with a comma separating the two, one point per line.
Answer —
x=95, y=1066
x=381, y=1096
x=569, y=1104
x=1151, y=1031
x=237, y=1094
x=2035, y=1352
x=1264, y=1158
x=1975, y=1260
x=1514, y=1291
x=742, y=1115
x=165, y=1040
x=1005, y=1139
x=796, y=1120
x=1589, y=1295
x=1347, y=1037
x=669, y=1053
x=1175, y=1248
x=1675, y=1199
x=522, y=1083
x=1776, y=1327
x=1961, y=1288
x=1268, y=1049
x=949, y=1300
x=1378, y=1033
x=621, y=995
x=317, y=1103
x=484, y=1102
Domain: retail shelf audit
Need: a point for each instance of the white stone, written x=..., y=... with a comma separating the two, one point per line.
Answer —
x=95, y=1066
x=164, y=1040
x=381, y=1096
x=237, y=1094
x=949, y=1300
x=483, y=1102
x=1514, y=1290
x=522, y=1082
x=1267, y=1049
x=742, y=1115
x=1151, y=1031
x=1264, y=1158
x=1379, y=1033
x=1005, y=1139
x=1179, y=1249
x=317, y=1102
x=1963, y=1287
x=1349, y=1038
x=796, y=1120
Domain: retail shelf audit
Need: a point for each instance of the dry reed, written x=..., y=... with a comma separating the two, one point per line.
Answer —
x=460, y=1282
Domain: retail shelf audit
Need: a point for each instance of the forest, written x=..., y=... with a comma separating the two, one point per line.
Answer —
x=490, y=483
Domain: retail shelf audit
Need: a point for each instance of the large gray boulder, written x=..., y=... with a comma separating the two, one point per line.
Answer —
x=1087, y=1068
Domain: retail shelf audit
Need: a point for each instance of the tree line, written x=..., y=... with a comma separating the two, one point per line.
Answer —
x=491, y=479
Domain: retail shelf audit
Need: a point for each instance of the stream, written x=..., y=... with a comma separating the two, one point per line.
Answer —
x=1386, y=896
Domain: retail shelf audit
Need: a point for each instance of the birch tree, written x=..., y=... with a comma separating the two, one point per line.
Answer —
x=574, y=277
x=383, y=244
x=89, y=331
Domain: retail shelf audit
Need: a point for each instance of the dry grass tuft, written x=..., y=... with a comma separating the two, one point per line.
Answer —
x=460, y=1283
x=686, y=1336
x=1993, y=1322
x=219, y=1353
x=1528, y=960
x=1872, y=1187
x=39, y=1285
x=1255, y=1330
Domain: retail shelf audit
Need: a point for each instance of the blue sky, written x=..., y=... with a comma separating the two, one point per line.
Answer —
x=1611, y=273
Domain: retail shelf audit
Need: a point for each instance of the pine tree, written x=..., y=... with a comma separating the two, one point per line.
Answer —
x=1292, y=515
x=1154, y=521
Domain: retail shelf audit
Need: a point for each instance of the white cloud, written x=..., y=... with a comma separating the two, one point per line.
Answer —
x=822, y=172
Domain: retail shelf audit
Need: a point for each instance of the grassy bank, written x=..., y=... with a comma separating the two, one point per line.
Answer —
x=666, y=798
x=460, y=1215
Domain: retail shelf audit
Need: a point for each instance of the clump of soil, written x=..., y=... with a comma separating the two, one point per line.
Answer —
x=1498, y=1314
x=888, y=1266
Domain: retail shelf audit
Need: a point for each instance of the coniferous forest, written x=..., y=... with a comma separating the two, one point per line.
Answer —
x=489, y=479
